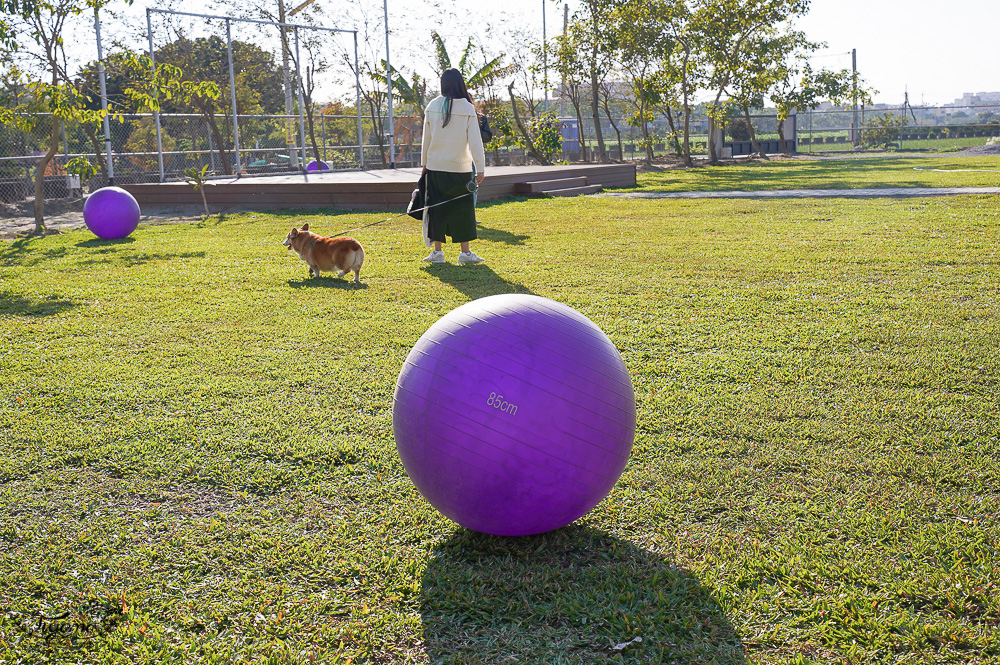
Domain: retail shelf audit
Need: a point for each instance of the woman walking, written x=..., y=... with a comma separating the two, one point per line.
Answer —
x=450, y=147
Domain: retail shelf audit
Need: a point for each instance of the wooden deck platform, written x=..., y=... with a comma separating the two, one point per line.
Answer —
x=387, y=189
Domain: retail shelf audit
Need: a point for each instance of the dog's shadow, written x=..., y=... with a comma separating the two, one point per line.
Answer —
x=327, y=283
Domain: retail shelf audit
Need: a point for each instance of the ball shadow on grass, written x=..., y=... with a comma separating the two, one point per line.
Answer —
x=574, y=595
x=101, y=242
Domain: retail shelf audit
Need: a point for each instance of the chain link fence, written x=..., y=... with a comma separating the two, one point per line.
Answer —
x=272, y=144
x=898, y=128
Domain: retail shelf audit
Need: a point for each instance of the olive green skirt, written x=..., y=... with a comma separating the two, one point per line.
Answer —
x=456, y=218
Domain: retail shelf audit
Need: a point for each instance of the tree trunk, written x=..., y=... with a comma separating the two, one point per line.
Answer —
x=209, y=117
x=579, y=128
x=687, y=110
x=753, y=135
x=781, y=137
x=713, y=110
x=645, y=131
x=673, y=130
x=40, y=177
x=532, y=151
x=602, y=153
x=98, y=154
x=607, y=112
x=378, y=126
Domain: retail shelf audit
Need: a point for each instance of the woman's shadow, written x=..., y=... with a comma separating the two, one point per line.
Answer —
x=574, y=595
x=474, y=281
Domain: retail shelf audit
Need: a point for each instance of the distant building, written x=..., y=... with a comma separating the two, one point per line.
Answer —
x=978, y=99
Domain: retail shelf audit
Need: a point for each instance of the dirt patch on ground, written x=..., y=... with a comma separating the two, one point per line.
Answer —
x=988, y=150
x=62, y=215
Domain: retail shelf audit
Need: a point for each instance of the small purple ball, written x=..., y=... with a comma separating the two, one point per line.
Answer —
x=111, y=213
x=317, y=166
x=514, y=415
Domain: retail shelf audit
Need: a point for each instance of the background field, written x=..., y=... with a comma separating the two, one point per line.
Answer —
x=854, y=173
x=198, y=464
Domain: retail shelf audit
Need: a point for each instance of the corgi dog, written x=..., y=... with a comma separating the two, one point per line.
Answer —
x=326, y=254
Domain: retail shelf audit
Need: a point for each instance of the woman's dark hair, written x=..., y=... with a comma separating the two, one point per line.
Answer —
x=452, y=87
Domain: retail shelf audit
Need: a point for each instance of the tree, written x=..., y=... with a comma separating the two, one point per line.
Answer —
x=726, y=30
x=317, y=63
x=684, y=62
x=643, y=43
x=802, y=88
x=475, y=79
x=566, y=52
x=882, y=131
x=594, y=23
x=10, y=12
x=56, y=99
x=766, y=60
x=257, y=78
x=541, y=137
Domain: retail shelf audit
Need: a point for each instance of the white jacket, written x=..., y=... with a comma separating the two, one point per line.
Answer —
x=453, y=148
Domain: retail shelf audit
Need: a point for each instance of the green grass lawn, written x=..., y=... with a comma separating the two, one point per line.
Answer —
x=935, y=145
x=875, y=172
x=197, y=462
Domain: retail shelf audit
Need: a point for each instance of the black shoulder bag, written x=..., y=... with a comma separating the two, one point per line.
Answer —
x=484, y=129
x=417, y=200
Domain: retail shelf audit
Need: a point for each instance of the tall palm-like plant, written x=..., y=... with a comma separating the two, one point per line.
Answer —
x=482, y=77
x=410, y=92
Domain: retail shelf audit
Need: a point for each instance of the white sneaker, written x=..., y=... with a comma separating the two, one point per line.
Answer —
x=469, y=257
x=436, y=256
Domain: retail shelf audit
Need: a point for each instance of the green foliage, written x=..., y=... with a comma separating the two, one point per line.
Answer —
x=82, y=167
x=883, y=131
x=505, y=134
x=198, y=178
x=474, y=79
x=738, y=129
x=546, y=134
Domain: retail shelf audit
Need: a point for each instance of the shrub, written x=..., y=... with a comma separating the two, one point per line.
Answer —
x=738, y=129
x=882, y=131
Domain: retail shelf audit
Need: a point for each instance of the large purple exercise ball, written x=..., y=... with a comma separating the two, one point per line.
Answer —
x=111, y=213
x=514, y=415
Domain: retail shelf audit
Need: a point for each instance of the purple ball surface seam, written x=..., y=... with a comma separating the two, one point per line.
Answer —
x=525, y=454
x=502, y=370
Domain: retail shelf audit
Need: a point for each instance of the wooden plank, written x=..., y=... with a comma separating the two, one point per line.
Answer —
x=368, y=190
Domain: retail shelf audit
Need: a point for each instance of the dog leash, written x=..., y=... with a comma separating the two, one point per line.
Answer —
x=407, y=213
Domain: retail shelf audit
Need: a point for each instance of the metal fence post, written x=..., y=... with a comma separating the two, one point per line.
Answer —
x=104, y=100
x=156, y=111
x=302, y=117
x=232, y=90
x=357, y=104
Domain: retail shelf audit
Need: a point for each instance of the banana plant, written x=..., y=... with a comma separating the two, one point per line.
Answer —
x=482, y=77
x=410, y=92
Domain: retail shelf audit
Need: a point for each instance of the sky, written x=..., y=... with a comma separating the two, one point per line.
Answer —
x=936, y=51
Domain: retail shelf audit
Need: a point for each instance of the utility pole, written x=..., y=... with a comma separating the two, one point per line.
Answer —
x=562, y=95
x=854, y=97
x=545, y=60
